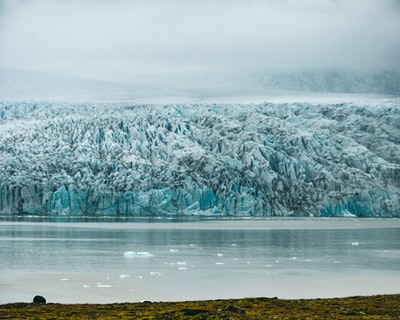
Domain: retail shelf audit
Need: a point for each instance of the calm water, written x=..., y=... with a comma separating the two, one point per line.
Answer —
x=85, y=262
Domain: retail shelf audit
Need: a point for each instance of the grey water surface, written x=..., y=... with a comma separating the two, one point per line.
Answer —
x=288, y=258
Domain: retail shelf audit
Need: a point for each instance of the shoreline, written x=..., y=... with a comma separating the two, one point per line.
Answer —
x=385, y=306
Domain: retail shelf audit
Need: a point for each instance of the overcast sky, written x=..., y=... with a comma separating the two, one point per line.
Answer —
x=104, y=37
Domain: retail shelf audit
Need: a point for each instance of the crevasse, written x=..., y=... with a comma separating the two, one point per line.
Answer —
x=220, y=159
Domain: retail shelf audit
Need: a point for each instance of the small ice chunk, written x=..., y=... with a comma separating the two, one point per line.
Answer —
x=64, y=279
x=144, y=254
x=182, y=268
x=220, y=254
x=86, y=286
x=219, y=263
x=173, y=250
x=355, y=243
x=140, y=254
x=122, y=276
x=155, y=273
x=181, y=263
x=104, y=286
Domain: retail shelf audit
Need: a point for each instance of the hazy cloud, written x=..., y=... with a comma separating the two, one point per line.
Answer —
x=99, y=38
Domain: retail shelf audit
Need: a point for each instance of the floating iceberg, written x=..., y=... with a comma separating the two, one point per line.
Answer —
x=140, y=254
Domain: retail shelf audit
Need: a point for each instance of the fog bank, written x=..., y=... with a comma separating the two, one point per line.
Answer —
x=125, y=41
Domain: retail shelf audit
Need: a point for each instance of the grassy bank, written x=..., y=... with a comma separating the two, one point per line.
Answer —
x=370, y=307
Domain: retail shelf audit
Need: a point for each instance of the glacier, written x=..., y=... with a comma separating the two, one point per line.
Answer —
x=218, y=159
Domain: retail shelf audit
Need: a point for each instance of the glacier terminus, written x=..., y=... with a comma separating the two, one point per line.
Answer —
x=219, y=159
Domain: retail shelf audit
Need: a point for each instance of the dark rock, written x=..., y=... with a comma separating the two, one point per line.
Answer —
x=235, y=309
x=39, y=300
x=192, y=312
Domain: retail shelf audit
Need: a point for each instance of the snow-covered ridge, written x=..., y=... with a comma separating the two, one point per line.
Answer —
x=229, y=159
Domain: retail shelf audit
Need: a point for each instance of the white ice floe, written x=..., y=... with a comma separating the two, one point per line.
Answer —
x=140, y=254
x=182, y=268
x=104, y=286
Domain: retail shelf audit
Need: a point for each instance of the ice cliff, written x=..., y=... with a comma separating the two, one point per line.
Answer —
x=243, y=159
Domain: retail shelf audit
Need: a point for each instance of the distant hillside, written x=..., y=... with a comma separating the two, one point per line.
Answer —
x=193, y=86
x=385, y=83
x=17, y=84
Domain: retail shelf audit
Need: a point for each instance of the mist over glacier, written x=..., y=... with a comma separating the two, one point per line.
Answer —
x=182, y=49
x=219, y=159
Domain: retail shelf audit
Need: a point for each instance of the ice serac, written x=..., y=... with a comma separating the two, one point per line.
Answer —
x=265, y=159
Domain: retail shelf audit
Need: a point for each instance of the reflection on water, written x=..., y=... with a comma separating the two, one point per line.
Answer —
x=75, y=262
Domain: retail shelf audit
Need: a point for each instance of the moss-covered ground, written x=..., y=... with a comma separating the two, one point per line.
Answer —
x=368, y=307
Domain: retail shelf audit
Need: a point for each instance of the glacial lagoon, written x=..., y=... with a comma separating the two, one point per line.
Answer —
x=102, y=262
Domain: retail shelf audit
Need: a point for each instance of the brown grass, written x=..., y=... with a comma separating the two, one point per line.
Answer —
x=370, y=307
